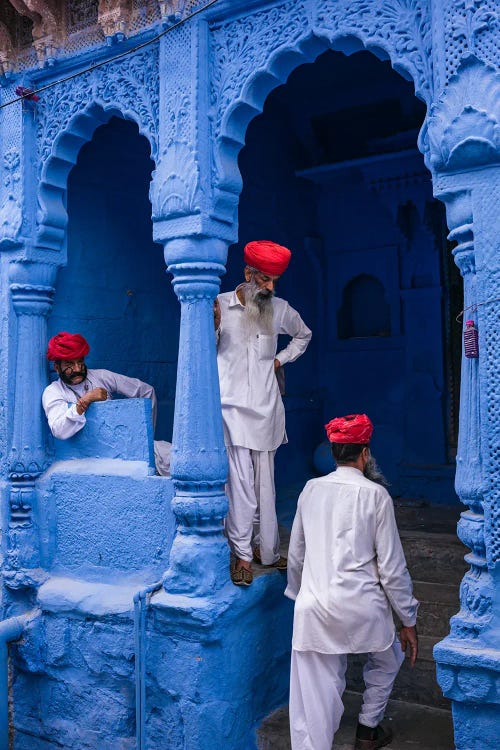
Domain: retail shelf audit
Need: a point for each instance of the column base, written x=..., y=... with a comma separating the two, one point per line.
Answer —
x=469, y=674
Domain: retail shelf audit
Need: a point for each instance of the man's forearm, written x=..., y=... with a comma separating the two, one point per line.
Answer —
x=67, y=424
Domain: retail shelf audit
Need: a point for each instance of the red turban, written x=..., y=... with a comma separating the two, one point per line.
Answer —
x=354, y=428
x=267, y=257
x=67, y=346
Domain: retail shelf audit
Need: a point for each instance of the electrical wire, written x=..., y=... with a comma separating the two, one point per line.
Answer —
x=94, y=66
x=474, y=307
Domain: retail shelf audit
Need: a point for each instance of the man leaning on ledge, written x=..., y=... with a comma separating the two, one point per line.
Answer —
x=66, y=401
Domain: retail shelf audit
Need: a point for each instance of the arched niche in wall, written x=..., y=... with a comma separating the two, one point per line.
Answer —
x=114, y=288
x=364, y=311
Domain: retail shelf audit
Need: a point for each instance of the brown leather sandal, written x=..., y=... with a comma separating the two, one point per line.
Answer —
x=241, y=576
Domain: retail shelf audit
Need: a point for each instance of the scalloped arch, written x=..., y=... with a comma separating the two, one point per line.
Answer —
x=52, y=217
x=230, y=137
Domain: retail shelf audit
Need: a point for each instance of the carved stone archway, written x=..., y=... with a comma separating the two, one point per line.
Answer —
x=254, y=54
x=67, y=118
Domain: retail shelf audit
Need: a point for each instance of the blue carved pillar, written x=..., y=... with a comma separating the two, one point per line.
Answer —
x=463, y=152
x=467, y=666
x=476, y=589
x=199, y=560
x=31, y=292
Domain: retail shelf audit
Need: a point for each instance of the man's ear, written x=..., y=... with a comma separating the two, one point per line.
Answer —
x=248, y=274
x=57, y=367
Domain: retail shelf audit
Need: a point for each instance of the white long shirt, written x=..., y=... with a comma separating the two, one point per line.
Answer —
x=59, y=400
x=252, y=408
x=346, y=567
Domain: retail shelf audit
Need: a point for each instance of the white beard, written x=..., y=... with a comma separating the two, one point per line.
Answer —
x=372, y=471
x=259, y=313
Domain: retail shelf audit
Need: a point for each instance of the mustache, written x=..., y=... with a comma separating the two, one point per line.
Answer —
x=68, y=379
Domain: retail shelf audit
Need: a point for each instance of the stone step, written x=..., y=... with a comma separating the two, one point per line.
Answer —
x=434, y=557
x=417, y=685
x=438, y=603
x=415, y=727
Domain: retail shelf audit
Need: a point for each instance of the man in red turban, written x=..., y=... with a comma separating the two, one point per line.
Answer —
x=66, y=400
x=248, y=322
x=346, y=573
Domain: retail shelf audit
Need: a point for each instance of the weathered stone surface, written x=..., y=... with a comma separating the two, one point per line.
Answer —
x=415, y=727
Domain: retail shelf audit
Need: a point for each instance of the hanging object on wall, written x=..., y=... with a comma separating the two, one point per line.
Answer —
x=27, y=94
x=471, y=340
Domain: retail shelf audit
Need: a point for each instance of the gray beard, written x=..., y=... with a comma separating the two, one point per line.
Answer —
x=259, y=313
x=372, y=472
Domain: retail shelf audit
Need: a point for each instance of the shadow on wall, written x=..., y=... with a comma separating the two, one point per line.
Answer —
x=115, y=289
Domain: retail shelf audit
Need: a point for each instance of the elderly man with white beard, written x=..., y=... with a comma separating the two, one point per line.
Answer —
x=248, y=321
x=346, y=573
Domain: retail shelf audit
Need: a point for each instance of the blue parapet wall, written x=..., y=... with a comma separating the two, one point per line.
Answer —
x=101, y=511
x=122, y=428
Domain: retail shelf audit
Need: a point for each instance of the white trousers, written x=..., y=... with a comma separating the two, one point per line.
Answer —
x=317, y=682
x=252, y=504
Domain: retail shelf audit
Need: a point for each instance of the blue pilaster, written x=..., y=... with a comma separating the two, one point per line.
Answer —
x=32, y=293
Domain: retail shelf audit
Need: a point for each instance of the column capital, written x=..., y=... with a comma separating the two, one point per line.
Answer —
x=32, y=299
x=196, y=279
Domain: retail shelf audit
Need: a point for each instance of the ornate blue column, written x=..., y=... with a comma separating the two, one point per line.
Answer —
x=199, y=559
x=32, y=293
x=476, y=589
x=467, y=668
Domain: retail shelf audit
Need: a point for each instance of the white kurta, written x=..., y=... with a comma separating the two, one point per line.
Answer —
x=59, y=400
x=346, y=567
x=252, y=408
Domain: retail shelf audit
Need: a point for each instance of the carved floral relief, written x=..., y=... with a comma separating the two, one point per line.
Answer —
x=464, y=125
x=10, y=212
x=131, y=85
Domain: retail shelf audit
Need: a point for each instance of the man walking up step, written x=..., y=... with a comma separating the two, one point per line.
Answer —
x=346, y=570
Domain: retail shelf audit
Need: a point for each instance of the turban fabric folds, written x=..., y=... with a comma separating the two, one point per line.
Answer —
x=354, y=428
x=67, y=346
x=267, y=257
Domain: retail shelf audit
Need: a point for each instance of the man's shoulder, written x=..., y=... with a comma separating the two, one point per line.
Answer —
x=280, y=302
x=52, y=388
x=334, y=480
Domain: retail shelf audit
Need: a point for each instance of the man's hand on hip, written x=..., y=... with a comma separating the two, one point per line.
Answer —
x=277, y=364
x=217, y=315
x=408, y=637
